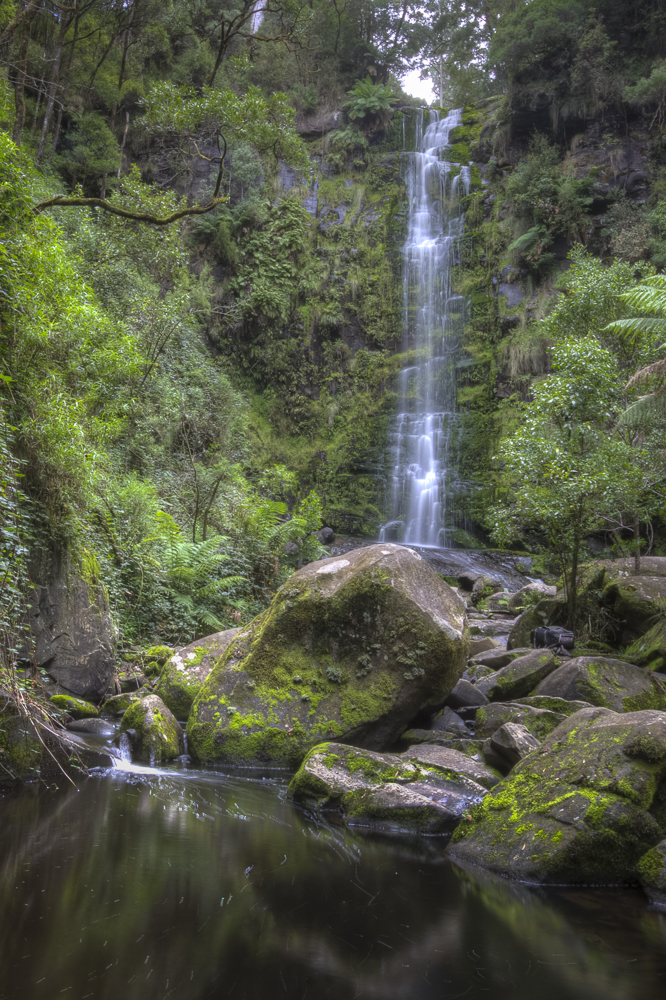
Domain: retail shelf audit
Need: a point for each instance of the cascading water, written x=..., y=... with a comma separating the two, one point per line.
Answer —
x=423, y=432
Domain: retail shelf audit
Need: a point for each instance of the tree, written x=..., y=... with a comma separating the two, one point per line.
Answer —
x=564, y=471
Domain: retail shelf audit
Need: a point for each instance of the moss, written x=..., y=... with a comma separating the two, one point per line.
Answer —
x=76, y=707
x=651, y=868
x=118, y=703
x=158, y=733
x=20, y=749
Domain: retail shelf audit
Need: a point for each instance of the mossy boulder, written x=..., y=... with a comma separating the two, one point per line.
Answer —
x=632, y=600
x=584, y=807
x=538, y=721
x=119, y=703
x=606, y=682
x=351, y=647
x=519, y=677
x=157, y=735
x=549, y=611
x=652, y=873
x=424, y=790
x=131, y=679
x=76, y=707
x=20, y=748
x=154, y=659
x=650, y=650
x=560, y=705
x=185, y=671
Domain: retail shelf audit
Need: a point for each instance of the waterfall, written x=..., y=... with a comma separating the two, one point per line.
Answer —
x=424, y=433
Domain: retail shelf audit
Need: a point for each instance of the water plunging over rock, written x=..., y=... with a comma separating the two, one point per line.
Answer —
x=424, y=432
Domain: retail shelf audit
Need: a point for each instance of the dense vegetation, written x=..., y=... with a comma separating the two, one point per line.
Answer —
x=178, y=402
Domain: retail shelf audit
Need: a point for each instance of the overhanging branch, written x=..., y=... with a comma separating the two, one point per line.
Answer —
x=155, y=220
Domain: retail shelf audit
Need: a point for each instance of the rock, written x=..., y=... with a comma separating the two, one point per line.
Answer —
x=483, y=587
x=560, y=705
x=71, y=625
x=513, y=742
x=97, y=727
x=466, y=695
x=184, y=673
x=652, y=873
x=476, y=672
x=154, y=659
x=158, y=735
x=291, y=548
x=633, y=600
x=425, y=790
x=538, y=721
x=448, y=720
x=131, y=680
x=650, y=649
x=520, y=677
x=547, y=612
x=353, y=647
x=499, y=601
x=584, y=807
x=118, y=704
x=315, y=125
x=483, y=645
x=498, y=658
x=438, y=737
x=525, y=597
x=76, y=707
x=606, y=682
x=326, y=536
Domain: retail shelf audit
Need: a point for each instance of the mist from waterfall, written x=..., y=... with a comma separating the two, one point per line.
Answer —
x=424, y=433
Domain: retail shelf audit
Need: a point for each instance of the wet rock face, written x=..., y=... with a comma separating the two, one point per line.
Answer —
x=72, y=629
x=156, y=734
x=183, y=674
x=585, y=806
x=352, y=647
x=606, y=682
x=424, y=790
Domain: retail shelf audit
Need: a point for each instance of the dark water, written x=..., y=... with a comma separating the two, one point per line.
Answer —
x=194, y=884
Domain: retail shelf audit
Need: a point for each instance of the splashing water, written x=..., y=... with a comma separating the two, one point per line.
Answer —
x=424, y=432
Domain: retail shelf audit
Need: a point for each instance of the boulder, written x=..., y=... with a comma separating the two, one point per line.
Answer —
x=186, y=670
x=351, y=647
x=498, y=658
x=425, y=790
x=319, y=123
x=95, y=727
x=326, y=536
x=74, y=639
x=499, y=602
x=560, y=705
x=632, y=599
x=605, y=682
x=448, y=720
x=650, y=649
x=530, y=595
x=131, y=680
x=483, y=587
x=584, y=807
x=538, y=721
x=652, y=873
x=437, y=737
x=76, y=707
x=466, y=695
x=119, y=703
x=483, y=645
x=157, y=734
x=550, y=611
x=513, y=742
x=520, y=677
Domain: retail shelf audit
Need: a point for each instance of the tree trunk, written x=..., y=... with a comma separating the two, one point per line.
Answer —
x=19, y=89
x=572, y=586
x=64, y=26
x=637, y=545
x=122, y=144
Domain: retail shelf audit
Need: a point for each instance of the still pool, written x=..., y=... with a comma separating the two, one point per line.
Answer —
x=188, y=884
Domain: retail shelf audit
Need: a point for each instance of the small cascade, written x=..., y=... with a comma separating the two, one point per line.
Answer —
x=425, y=432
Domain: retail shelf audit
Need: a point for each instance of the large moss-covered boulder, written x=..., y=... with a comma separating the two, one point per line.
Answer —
x=76, y=707
x=650, y=649
x=652, y=873
x=424, y=790
x=539, y=721
x=184, y=672
x=606, y=682
x=351, y=648
x=155, y=734
x=519, y=677
x=585, y=806
x=632, y=600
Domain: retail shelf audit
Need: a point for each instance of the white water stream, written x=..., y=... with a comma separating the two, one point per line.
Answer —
x=423, y=433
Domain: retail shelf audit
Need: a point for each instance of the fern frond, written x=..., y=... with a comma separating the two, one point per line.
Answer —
x=656, y=368
x=645, y=409
x=639, y=324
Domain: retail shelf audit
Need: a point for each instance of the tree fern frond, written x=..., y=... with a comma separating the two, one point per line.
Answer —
x=656, y=368
x=645, y=409
x=639, y=324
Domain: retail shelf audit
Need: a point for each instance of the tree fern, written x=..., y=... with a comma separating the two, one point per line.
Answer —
x=647, y=297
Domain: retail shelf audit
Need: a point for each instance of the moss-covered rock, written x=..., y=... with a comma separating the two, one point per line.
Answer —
x=76, y=707
x=157, y=735
x=539, y=721
x=519, y=677
x=352, y=647
x=560, y=705
x=186, y=670
x=652, y=873
x=650, y=649
x=424, y=790
x=606, y=682
x=131, y=680
x=580, y=808
x=119, y=703
x=20, y=749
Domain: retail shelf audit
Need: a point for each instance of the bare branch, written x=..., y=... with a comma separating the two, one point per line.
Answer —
x=154, y=220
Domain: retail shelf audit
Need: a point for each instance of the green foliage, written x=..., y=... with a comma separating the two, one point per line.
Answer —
x=90, y=154
x=369, y=99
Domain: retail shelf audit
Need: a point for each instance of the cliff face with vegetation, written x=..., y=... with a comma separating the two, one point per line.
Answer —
x=184, y=405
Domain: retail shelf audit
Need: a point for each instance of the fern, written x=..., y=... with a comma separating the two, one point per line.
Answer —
x=647, y=297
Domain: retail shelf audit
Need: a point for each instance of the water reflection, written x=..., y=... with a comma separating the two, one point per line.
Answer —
x=192, y=885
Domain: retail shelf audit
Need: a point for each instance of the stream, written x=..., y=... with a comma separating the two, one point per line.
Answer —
x=187, y=884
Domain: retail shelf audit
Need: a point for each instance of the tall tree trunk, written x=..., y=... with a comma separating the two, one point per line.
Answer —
x=56, y=132
x=637, y=545
x=19, y=88
x=64, y=26
x=122, y=144
x=572, y=585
